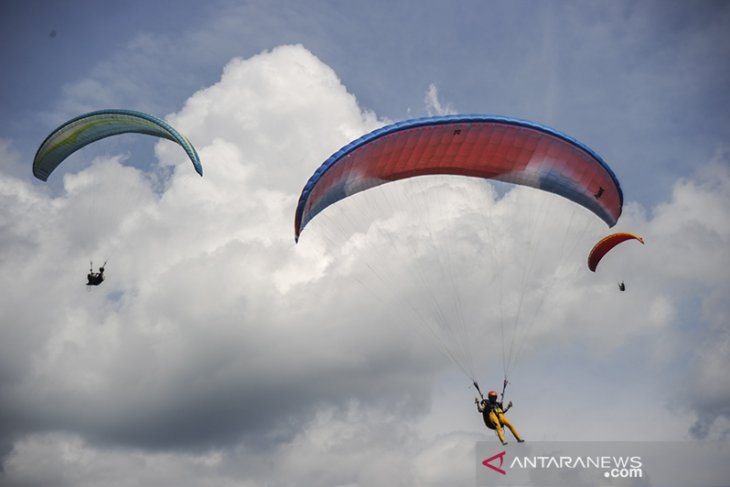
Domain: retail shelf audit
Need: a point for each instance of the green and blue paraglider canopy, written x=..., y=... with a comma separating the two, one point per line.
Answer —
x=91, y=127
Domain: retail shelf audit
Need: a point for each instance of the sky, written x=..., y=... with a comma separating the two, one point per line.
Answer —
x=219, y=352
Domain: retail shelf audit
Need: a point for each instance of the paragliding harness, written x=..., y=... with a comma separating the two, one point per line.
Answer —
x=95, y=278
x=487, y=422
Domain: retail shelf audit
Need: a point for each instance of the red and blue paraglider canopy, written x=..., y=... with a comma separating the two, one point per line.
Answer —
x=484, y=146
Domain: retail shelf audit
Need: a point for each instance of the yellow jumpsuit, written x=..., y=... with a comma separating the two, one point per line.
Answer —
x=498, y=419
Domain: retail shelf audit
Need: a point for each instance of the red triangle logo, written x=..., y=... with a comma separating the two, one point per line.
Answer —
x=488, y=462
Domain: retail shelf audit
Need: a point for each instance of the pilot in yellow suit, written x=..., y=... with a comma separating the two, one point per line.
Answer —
x=494, y=417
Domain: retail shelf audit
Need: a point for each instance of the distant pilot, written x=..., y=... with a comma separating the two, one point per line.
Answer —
x=95, y=278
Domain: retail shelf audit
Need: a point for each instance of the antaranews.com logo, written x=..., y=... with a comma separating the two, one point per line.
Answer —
x=603, y=463
x=611, y=466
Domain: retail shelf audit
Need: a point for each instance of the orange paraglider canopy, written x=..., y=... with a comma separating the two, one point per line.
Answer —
x=606, y=244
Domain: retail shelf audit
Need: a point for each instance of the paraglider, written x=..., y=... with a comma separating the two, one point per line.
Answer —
x=95, y=278
x=91, y=127
x=474, y=147
x=493, y=413
x=605, y=245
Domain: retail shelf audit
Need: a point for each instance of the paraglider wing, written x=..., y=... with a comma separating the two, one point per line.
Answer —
x=606, y=244
x=505, y=149
x=88, y=128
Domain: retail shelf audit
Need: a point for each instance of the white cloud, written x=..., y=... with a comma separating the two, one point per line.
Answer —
x=434, y=106
x=10, y=159
x=205, y=286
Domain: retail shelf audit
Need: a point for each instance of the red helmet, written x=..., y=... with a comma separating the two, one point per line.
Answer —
x=492, y=394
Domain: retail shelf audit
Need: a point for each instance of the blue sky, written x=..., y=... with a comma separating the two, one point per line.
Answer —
x=654, y=77
x=219, y=352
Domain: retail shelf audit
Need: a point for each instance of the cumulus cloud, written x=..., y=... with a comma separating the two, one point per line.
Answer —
x=349, y=447
x=219, y=352
x=695, y=233
x=11, y=159
x=207, y=326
